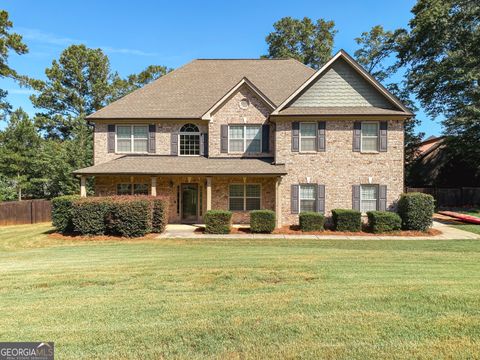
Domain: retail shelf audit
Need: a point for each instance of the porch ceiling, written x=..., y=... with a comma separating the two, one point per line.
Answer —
x=184, y=165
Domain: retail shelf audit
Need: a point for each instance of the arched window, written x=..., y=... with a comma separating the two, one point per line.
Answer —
x=189, y=140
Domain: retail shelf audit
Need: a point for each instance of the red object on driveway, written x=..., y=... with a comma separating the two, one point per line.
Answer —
x=463, y=217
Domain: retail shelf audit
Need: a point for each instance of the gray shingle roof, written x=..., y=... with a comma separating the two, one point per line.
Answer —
x=339, y=110
x=191, y=90
x=178, y=165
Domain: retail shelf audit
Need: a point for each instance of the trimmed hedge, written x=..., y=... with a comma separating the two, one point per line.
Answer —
x=262, y=221
x=218, y=221
x=159, y=215
x=383, y=221
x=89, y=215
x=416, y=211
x=130, y=216
x=311, y=221
x=62, y=213
x=347, y=220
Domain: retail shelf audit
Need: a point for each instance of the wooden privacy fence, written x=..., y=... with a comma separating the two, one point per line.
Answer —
x=452, y=197
x=25, y=212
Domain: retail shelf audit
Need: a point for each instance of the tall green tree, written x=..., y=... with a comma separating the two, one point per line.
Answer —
x=19, y=144
x=377, y=53
x=122, y=87
x=441, y=49
x=305, y=40
x=9, y=42
x=79, y=83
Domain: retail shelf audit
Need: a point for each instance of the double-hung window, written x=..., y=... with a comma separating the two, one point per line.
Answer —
x=132, y=139
x=368, y=198
x=308, y=136
x=132, y=189
x=308, y=197
x=244, y=197
x=370, y=136
x=245, y=138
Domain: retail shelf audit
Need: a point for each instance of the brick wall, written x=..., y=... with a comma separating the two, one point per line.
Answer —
x=162, y=139
x=338, y=168
x=231, y=113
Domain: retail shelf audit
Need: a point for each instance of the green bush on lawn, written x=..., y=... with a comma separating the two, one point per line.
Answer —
x=62, y=213
x=311, y=221
x=130, y=216
x=262, y=221
x=159, y=215
x=218, y=221
x=347, y=220
x=383, y=221
x=416, y=211
x=89, y=215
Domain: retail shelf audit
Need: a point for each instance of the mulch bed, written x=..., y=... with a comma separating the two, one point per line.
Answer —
x=295, y=230
x=77, y=237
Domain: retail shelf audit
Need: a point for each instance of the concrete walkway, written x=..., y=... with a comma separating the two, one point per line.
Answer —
x=188, y=232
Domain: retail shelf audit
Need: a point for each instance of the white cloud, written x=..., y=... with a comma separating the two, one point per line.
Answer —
x=39, y=36
x=46, y=38
x=112, y=50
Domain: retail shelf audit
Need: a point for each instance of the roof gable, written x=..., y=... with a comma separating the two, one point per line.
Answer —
x=243, y=83
x=341, y=82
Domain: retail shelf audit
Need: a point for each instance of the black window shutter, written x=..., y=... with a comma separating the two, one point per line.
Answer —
x=224, y=138
x=294, y=199
x=174, y=143
x=111, y=138
x=321, y=199
x=151, y=138
x=204, y=144
x=356, y=197
x=295, y=135
x=383, y=135
x=321, y=136
x=382, y=197
x=357, y=133
x=265, y=138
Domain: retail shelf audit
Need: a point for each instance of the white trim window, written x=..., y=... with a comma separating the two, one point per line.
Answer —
x=307, y=197
x=370, y=136
x=131, y=138
x=308, y=136
x=245, y=138
x=189, y=144
x=368, y=198
x=244, y=197
x=132, y=189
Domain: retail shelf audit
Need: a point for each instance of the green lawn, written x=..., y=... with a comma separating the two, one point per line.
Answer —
x=469, y=227
x=243, y=299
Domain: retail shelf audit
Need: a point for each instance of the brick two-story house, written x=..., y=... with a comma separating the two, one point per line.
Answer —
x=254, y=134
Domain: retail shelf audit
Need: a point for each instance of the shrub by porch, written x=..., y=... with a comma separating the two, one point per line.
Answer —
x=129, y=216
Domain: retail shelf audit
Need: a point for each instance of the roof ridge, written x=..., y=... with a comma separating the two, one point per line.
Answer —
x=246, y=59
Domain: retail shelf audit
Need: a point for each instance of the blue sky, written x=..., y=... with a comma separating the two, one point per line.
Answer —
x=135, y=34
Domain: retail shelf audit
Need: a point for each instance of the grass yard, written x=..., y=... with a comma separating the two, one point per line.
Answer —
x=469, y=227
x=235, y=298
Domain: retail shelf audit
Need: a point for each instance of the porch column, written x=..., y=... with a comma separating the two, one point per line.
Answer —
x=209, y=193
x=153, y=189
x=83, y=187
x=278, y=203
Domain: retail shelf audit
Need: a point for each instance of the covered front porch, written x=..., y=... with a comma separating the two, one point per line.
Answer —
x=238, y=185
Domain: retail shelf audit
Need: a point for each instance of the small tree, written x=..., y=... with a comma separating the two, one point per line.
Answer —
x=19, y=143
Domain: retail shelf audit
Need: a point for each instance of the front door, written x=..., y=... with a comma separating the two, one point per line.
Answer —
x=189, y=203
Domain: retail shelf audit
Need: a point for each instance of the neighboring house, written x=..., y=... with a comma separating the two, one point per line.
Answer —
x=254, y=134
